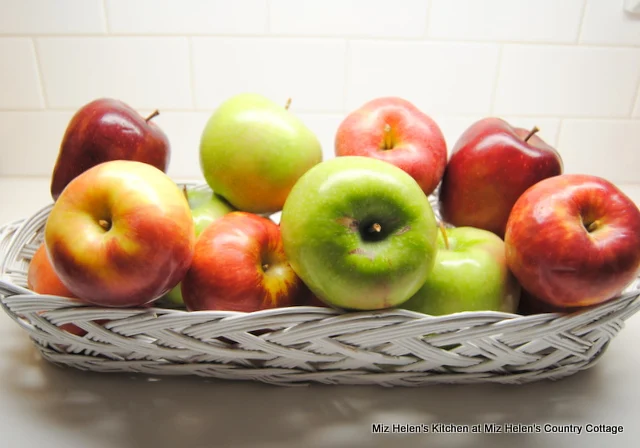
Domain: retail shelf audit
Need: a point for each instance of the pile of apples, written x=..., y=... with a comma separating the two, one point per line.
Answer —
x=356, y=232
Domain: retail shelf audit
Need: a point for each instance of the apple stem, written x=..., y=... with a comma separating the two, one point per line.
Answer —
x=265, y=267
x=155, y=113
x=531, y=132
x=104, y=224
x=388, y=143
x=375, y=228
x=593, y=226
x=286, y=106
x=444, y=234
x=184, y=191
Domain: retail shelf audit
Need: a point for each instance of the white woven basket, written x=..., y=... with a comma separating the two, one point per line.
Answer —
x=301, y=345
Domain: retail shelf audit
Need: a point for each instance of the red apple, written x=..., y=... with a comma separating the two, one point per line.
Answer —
x=395, y=131
x=103, y=130
x=239, y=265
x=41, y=278
x=529, y=304
x=121, y=234
x=574, y=240
x=491, y=165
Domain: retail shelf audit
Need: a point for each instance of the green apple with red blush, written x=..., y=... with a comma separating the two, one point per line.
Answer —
x=252, y=152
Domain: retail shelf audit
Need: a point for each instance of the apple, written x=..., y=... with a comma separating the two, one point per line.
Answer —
x=574, y=240
x=360, y=233
x=206, y=207
x=239, y=265
x=252, y=152
x=121, y=234
x=103, y=130
x=491, y=165
x=395, y=131
x=470, y=274
x=529, y=304
x=42, y=279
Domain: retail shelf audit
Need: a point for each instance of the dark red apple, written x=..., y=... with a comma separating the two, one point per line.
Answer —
x=395, y=131
x=573, y=240
x=104, y=130
x=491, y=165
x=239, y=264
x=529, y=304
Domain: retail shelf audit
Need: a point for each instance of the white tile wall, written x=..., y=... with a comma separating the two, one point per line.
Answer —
x=370, y=18
x=19, y=79
x=636, y=109
x=432, y=75
x=605, y=22
x=146, y=72
x=571, y=67
x=567, y=81
x=506, y=20
x=606, y=148
x=30, y=141
x=39, y=17
x=324, y=126
x=187, y=16
x=184, y=130
x=310, y=71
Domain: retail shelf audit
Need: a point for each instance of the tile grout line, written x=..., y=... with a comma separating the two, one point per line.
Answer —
x=426, y=23
x=192, y=72
x=557, y=142
x=347, y=74
x=43, y=91
x=583, y=13
x=106, y=19
x=272, y=36
x=636, y=101
x=446, y=115
x=267, y=25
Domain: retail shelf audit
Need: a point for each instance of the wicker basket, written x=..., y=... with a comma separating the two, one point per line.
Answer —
x=302, y=345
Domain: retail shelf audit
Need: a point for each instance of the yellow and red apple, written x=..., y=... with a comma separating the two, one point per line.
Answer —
x=120, y=234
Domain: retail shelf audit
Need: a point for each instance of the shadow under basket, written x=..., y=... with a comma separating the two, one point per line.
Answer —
x=302, y=345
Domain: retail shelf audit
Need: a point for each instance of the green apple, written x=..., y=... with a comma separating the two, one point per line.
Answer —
x=252, y=152
x=359, y=232
x=206, y=207
x=470, y=274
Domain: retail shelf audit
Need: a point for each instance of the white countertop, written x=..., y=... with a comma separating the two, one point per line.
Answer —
x=48, y=406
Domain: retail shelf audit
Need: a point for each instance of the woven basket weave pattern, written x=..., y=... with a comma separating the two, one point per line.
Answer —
x=300, y=345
